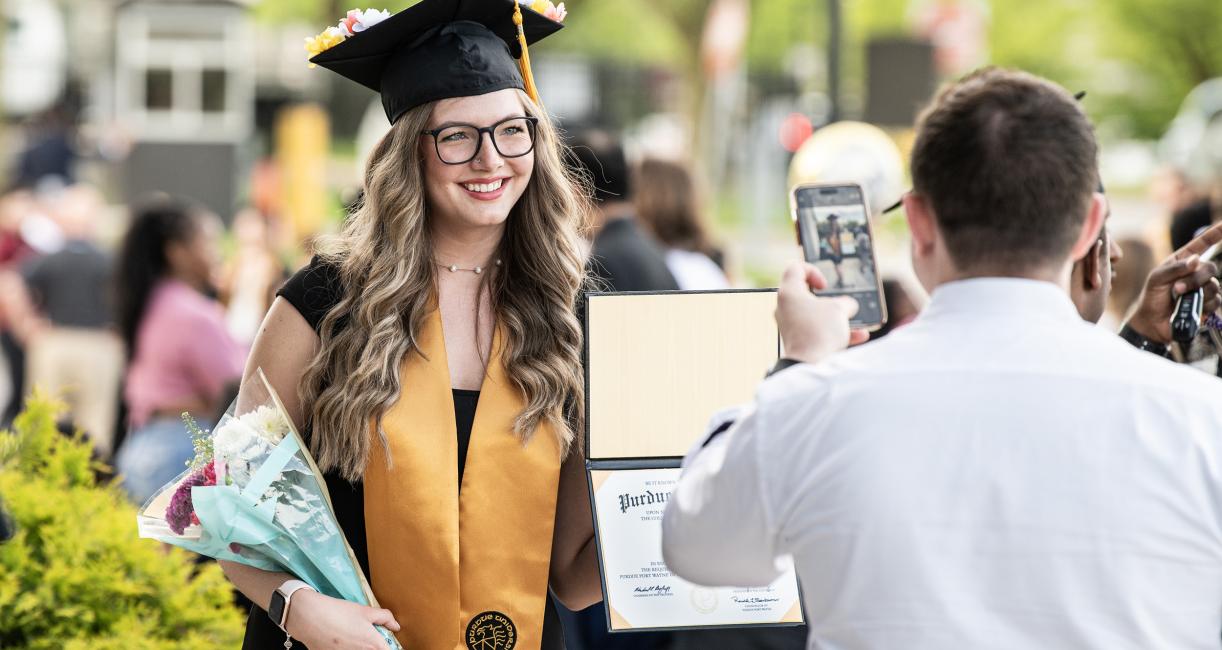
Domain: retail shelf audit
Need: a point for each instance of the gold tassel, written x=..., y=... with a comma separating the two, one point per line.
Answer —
x=524, y=61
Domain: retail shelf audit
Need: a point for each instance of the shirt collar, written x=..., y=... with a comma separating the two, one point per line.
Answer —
x=1018, y=297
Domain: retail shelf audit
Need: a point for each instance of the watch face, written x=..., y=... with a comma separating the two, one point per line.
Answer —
x=275, y=610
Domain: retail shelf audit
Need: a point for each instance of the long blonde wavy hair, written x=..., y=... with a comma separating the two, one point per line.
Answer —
x=384, y=255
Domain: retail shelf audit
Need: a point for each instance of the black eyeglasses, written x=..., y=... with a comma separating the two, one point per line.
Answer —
x=456, y=144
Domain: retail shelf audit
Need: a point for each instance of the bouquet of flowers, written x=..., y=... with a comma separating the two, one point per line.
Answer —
x=253, y=495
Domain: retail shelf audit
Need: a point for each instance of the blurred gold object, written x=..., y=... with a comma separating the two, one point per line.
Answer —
x=302, y=145
x=853, y=152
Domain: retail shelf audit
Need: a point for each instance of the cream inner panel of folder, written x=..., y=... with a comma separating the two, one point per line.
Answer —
x=660, y=365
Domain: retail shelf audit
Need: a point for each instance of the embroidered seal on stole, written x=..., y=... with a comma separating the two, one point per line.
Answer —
x=491, y=631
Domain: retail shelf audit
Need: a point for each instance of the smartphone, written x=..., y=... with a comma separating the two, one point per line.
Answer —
x=834, y=230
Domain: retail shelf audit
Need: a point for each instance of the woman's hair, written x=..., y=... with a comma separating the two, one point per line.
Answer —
x=666, y=201
x=156, y=223
x=384, y=255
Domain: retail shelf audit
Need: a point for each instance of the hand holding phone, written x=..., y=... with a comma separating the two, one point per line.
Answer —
x=813, y=328
x=834, y=230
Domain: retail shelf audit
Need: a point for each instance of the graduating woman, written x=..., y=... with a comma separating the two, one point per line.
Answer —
x=432, y=353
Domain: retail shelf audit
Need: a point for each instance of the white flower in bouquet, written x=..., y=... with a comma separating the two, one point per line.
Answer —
x=237, y=442
x=268, y=423
x=250, y=436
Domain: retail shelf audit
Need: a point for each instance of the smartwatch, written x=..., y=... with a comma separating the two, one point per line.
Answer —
x=278, y=610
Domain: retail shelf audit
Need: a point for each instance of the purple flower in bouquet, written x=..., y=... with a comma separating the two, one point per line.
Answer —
x=181, y=512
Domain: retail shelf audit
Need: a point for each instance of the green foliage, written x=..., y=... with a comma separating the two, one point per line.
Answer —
x=616, y=31
x=1136, y=58
x=1164, y=48
x=76, y=576
x=201, y=441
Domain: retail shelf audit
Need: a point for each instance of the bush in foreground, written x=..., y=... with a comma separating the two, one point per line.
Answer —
x=76, y=576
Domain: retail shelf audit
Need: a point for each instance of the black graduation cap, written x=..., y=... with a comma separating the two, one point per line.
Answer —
x=438, y=49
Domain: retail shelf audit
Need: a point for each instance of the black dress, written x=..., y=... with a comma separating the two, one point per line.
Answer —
x=313, y=292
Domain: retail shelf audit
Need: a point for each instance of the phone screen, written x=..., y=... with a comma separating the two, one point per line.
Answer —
x=835, y=232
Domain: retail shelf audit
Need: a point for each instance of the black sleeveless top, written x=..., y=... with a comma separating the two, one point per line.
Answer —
x=313, y=292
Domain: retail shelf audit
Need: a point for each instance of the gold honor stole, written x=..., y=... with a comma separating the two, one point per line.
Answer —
x=460, y=570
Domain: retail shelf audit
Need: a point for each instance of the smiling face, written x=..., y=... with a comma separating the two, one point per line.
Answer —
x=478, y=193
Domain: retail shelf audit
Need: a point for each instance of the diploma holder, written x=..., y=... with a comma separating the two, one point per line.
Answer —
x=658, y=365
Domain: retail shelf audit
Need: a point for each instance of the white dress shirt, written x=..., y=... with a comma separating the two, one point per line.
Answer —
x=998, y=474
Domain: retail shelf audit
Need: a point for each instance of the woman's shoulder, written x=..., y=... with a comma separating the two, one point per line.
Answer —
x=314, y=290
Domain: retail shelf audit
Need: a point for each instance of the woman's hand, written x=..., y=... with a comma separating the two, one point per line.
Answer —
x=325, y=623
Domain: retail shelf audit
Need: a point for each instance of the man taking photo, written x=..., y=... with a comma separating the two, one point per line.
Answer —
x=999, y=473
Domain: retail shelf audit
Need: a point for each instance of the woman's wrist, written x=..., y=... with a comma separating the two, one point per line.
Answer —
x=300, y=601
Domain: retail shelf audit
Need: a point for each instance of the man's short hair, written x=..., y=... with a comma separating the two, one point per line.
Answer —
x=1006, y=160
x=598, y=156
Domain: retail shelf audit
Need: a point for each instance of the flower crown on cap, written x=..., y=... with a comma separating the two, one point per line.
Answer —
x=358, y=21
x=354, y=23
x=546, y=9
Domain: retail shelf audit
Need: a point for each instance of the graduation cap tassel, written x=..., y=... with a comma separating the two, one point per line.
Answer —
x=524, y=61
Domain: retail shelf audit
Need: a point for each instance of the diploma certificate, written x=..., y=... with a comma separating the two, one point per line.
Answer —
x=641, y=593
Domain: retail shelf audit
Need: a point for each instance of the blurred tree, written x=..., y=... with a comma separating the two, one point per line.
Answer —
x=1166, y=47
x=1152, y=52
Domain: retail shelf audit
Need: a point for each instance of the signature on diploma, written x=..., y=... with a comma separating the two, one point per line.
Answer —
x=753, y=600
x=652, y=589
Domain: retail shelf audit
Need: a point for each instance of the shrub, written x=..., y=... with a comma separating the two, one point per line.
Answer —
x=76, y=576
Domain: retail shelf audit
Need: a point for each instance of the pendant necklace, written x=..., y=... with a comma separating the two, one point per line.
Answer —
x=454, y=268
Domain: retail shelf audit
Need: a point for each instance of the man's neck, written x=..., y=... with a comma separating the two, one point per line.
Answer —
x=1058, y=276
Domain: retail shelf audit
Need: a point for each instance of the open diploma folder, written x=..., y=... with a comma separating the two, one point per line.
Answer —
x=658, y=366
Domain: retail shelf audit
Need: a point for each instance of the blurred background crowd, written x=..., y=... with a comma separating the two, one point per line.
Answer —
x=168, y=161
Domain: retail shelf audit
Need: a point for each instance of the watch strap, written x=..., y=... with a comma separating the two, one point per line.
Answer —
x=1142, y=343
x=782, y=364
x=286, y=591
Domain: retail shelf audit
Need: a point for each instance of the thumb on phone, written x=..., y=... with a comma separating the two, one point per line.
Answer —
x=847, y=304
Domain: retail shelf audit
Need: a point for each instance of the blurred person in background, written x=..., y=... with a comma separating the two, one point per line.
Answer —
x=63, y=317
x=1172, y=189
x=16, y=206
x=1191, y=219
x=180, y=354
x=49, y=154
x=623, y=256
x=669, y=206
x=1187, y=222
x=252, y=275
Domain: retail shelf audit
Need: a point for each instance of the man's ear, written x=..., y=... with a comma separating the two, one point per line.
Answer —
x=921, y=224
x=1091, y=225
x=1092, y=266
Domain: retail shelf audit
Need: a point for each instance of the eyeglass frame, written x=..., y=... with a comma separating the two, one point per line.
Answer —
x=532, y=128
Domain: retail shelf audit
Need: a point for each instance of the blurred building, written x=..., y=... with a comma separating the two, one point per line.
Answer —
x=175, y=95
